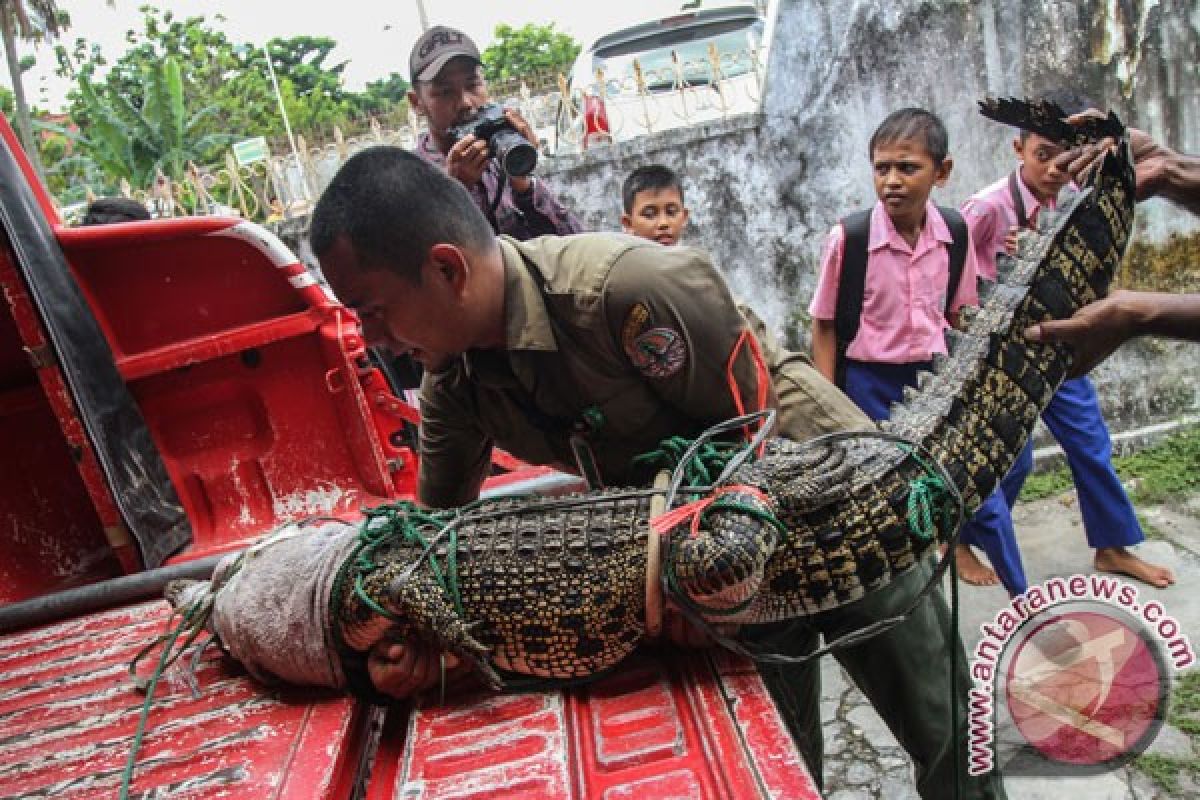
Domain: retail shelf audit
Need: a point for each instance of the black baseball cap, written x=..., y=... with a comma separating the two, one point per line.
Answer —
x=435, y=48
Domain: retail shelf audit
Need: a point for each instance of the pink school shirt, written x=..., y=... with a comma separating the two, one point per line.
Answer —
x=990, y=214
x=904, y=300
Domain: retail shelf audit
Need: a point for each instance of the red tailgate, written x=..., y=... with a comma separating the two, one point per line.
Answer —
x=69, y=712
x=698, y=726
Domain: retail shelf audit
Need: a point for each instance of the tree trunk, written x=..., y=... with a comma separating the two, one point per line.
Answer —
x=24, y=126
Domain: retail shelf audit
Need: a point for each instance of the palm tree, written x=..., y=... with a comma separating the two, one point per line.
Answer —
x=31, y=20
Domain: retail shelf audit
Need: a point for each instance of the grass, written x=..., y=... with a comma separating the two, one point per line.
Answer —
x=1168, y=469
x=1172, y=266
x=1165, y=771
x=1050, y=483
x=1154, y=475
x=1184, y=714
x=1185, y=703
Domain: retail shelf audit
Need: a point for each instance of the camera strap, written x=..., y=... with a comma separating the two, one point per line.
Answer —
x=494, y=203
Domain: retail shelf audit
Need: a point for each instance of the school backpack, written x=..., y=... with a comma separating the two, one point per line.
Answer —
x=848, y=313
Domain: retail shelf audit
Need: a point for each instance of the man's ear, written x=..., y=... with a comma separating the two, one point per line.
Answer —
x=449, y=264
x=1017, y=148
x=943, y=171
x=626, y=223
x=685, y=214
x=414, y=101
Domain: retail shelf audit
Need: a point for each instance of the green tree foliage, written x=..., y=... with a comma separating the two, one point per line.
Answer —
x=31, y=20
x=213, y=71
x=232, y=76
x=135, y=140
x=383, y=96
x=225, y=90
x=520, y=52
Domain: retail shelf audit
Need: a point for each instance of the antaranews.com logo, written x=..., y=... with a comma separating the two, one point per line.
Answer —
x=1072, y=677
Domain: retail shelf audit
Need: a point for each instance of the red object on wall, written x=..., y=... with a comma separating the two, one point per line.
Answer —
x=596, y=129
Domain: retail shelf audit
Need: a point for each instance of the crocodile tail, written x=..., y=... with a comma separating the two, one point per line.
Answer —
x=972, y=415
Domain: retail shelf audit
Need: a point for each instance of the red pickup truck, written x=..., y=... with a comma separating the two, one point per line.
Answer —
x=172, y=390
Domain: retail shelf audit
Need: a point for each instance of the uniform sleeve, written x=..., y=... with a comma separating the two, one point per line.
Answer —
x=824, y=302
x=676, y=323
x=987, y=234
x=544, y=213
x=455, y=452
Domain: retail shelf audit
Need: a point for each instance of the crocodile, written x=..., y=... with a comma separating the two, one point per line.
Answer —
x=557, y=587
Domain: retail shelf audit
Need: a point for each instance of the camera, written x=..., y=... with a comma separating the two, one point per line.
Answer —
x=516, y=155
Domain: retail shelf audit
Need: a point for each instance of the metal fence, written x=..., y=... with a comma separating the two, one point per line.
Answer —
x=568, y=116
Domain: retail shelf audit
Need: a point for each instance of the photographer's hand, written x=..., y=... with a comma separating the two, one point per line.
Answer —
x=520, y=185
x=467, y=160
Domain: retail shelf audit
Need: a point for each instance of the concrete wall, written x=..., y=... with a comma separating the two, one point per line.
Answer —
x=764, y=189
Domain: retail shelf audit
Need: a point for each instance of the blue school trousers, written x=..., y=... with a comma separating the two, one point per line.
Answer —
x=874, y=388
x=1074, y=419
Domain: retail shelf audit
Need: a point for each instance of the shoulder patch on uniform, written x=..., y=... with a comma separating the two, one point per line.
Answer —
x=658, y=353
x=635, y=323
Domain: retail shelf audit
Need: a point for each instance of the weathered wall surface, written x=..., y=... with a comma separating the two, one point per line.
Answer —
x=763, y=191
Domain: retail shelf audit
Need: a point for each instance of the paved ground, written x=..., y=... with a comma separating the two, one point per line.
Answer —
x=864, y=761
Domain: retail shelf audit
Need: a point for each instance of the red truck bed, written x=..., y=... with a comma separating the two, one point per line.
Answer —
x=174, y=389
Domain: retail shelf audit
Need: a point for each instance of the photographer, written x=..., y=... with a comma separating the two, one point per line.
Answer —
x=448, y=88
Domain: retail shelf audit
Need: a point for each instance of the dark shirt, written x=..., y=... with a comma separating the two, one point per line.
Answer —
x=521, y=216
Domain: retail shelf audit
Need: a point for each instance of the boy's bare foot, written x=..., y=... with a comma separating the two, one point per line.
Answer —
x=971, y=569
x=1120, y=561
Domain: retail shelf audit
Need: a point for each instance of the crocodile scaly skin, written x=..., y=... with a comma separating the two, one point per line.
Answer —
x=558, y=591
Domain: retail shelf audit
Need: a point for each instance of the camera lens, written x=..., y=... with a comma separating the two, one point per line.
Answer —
x=516, y=155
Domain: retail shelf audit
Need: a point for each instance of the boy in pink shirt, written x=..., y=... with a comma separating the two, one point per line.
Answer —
x=995, y=214
x=909, y=297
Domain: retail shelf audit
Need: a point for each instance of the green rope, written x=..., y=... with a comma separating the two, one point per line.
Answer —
x=703, y=468
x=402, y=521
x=192, y=622
x=930, y=503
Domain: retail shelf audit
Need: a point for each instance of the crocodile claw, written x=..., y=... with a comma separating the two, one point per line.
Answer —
x=422, y=601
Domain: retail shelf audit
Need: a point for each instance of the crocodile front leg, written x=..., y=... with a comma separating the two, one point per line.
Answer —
x=720, y=568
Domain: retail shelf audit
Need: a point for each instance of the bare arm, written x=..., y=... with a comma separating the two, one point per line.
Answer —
x=824, y=347
x=1174, y=176
x=1098, y=329
x=1161, y=171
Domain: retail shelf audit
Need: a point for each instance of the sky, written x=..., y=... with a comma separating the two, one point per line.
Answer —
x=374, y=37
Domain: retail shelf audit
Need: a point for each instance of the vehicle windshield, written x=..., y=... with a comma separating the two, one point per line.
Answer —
x=735, y=41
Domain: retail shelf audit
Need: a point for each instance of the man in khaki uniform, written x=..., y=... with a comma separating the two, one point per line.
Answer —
x=583, y=352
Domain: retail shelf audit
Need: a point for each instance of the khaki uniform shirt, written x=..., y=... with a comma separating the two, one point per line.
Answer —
x=618, y=339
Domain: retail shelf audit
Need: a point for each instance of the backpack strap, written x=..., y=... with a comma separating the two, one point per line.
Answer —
x=960, y=240
x=1014, y=191
x=856, y=230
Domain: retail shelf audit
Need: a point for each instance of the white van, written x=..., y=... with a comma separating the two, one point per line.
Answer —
x=675, y=71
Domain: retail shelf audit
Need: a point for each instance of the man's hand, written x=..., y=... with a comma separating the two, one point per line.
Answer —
x=1094, y=332
x=521, y=126
x=400, y=670
x=1010, y=240
x=520, y=184
x=467, y=160
x=1150, y=159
